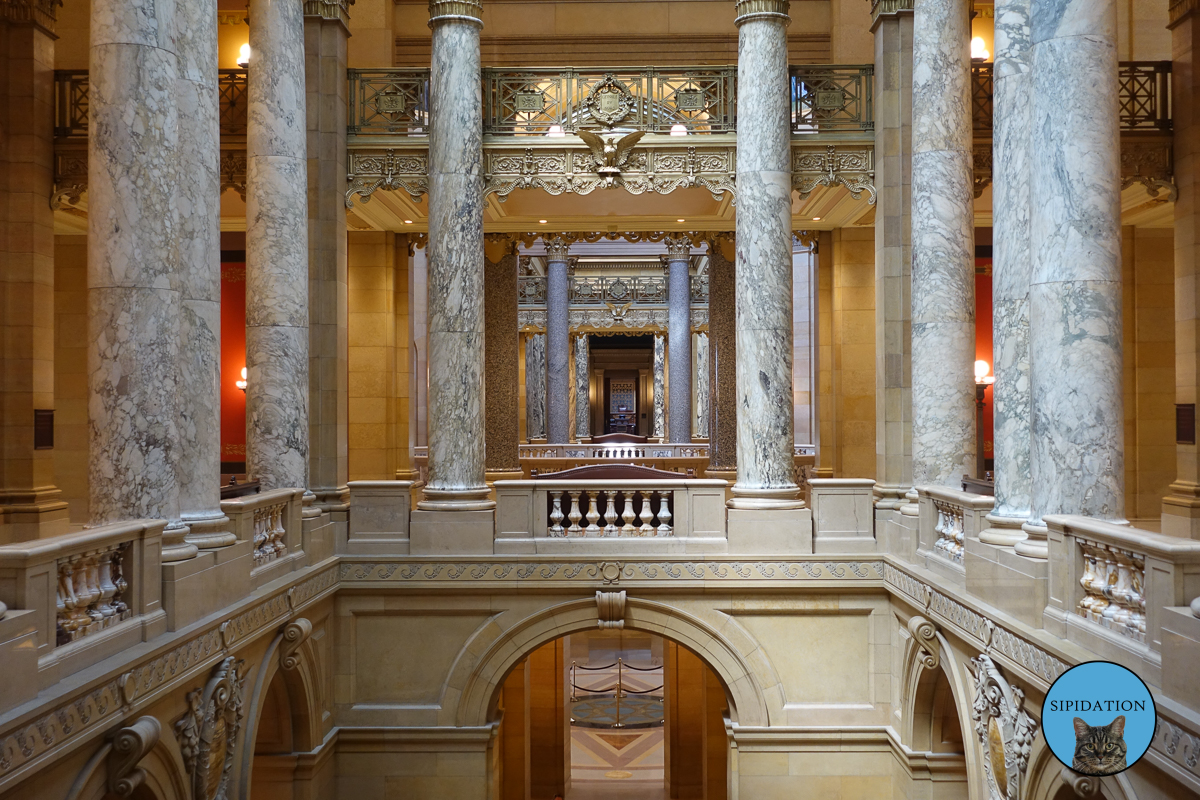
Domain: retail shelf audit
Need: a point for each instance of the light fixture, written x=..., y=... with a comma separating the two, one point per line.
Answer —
x=408, y=222
x=243, y=59
x=681, y=220
x=679, y=129
x=816, y=219
x=979, y=51
x=542, y=221
x=242, y=383
x=556, y=132
x=982, y=368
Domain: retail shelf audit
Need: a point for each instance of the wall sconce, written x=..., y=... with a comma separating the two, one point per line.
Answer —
x=243, y=59
x=982, y=368
x=982, y=381
x=979, y=51
x=242, y=383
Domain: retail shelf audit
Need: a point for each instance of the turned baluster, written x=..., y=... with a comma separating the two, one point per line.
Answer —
x=940, y=529
x=627, y=513
x=574, y=515
x=664, y=514
x=556, y=517
x=277, y=530
x=610, y=514
x=1111, y=577
x=91, y=574
x=68, y=598
x=107, y=587
x=593, y=515
x=118, y=579
x=647, y=515
x=1089, y=574
x=1123, y=594
x=959, y=537
x=1097, y=587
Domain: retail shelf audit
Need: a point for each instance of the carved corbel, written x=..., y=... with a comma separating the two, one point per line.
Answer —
x=1004, y=729
x=129, y=746
x=1084, y=786
x=295, y=634
x=924, y=634
x=611, y=609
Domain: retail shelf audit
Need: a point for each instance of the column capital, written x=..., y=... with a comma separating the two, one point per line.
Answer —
x=748, y=10
x=557, y=247
x=329, y=9
x=679, y=248
x=1179, y=11
x=448, y=10
x=882, y=8
x=42, y=13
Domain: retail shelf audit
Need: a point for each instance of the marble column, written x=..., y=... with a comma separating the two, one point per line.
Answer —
x=501, y=344
x=583, y=394
x=276, y=250
x=457, y=428
x=765, y=470
x=134, y=301
x=722, y=363
x=943, y=257
x=1077, y=416
x=893, y=29
x=535, y=386
x=679, y=340
x=558, y=341
x=660, y=386
x=325, y=36
x=1010, y=272
x=199, y=187
x=700, y=386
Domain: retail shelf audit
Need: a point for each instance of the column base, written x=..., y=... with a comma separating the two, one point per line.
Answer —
x=208, y=533
x=474, y=499
x=751, y=498
x=887, y=496
x=1036, y=542
x=1003, y=531
x=769, y=531
x=910, y=507
x=175, y=546
x=449, y=532
x=38, y=514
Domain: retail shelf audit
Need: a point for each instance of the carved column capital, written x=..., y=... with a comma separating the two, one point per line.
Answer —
x=129, y=746
x=557, y=247
x=748, y=10
x=679, y=248
x=294, y=634
x=447, y=10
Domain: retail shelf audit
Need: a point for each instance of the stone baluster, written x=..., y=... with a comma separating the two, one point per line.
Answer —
x=574, y=515
x=456, y=265
x=1010, y=273
x=679, y=339
x=943, y=257
x=764, y=261
x=134, y=299
x=664, y=513
x=1077, y=414
x=610, y=514
x=558, y=341
x=277, y=249
x=200, y=278
x=593, y=515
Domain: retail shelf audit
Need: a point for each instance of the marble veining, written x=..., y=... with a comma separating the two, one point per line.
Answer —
x=535, y=386
x=679, y=346
x=558, y=344
x=1075, y=344
x=660, y=385
x=943, y=257
x=583, y=373
x=700, y=387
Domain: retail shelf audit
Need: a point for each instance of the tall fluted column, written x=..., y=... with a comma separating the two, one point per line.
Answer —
x=679, y=340
x=535, y=386
x=660, y=386
x=1010, y=272
x=199, y=421
x=583, y=382
x=277, y=250
x=1077, y=420
x=765, y=468
x=558, y=342
x=456, y=335
x=133, y=291
x=943, y=257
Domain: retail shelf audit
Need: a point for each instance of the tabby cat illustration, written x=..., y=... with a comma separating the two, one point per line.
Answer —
x=1100, y=749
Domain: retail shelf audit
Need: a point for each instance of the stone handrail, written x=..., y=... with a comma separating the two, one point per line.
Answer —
x=271, y=520
x=94, y=592
x=550, y=458
x=1109, y=584
x=947, y=518
x=547, y=515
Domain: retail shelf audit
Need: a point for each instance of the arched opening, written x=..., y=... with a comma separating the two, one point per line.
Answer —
x=937, y=731
x=278, y=735
x=611, y=715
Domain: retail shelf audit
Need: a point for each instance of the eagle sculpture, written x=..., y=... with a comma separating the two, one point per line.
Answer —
x=612, y=154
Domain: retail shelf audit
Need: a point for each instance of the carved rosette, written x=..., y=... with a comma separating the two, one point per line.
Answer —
x=1004, y=729
x=208, y=732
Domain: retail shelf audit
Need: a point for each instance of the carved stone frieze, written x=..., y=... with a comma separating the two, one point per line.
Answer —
x=531, y=320
x=233, y=171
x=981, y=158
x=329, y=9
x=601, y=319
x=129, y=746
x=208, y=732
x=43, y=13
x=610, y=608
x=1004, y=729
x=390, y=169
x=699, y=319
x=852, y=166
x=70, y=178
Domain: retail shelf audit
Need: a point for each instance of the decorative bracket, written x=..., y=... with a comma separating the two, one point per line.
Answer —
x=129, y=746
x=611, y=609
x=924, y=634
x=295, y=633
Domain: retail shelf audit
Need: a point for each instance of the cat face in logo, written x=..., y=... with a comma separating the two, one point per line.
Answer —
x=1100, y=749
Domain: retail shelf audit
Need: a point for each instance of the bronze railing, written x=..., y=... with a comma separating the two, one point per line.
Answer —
x=531, y=290
x=833, y=98
x=699, y=286
x=641, y=290
x=981, y=98
x=389, y=101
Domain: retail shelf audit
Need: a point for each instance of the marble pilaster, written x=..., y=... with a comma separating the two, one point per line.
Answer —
x=558, y=341
x=893, y=31
x=583, y=374
x=660, y=386
x=765, y=469
x=1011, y=272
x=722, y=362
x=277, y=250
x=700, y=384
x=457, y=425
x=199, y=192
x=1077, y=415
x=679, y=341
x=535, y=386
x=943, y=257
x=134, y=302
x=501, y=346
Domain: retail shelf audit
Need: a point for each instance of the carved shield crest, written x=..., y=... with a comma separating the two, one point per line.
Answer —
x=208, y=732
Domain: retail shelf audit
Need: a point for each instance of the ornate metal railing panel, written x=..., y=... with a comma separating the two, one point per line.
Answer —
x=1145, y=95
x=233, y=92
x=531, y=290
x=641, y=290
x=982, y=86
x=389, y=101
x=833, y=98
x=699, y=286
x=538, y=102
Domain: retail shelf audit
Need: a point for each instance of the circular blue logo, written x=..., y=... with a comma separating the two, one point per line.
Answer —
x=1099, y=718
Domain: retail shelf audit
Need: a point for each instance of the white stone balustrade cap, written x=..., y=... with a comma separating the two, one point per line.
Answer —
x=1167, y=548
x=43, y=550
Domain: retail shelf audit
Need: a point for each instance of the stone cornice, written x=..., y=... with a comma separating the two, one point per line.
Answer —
x=329, y=9
x=1180, y=10
x=889, y=8
x=42, y=13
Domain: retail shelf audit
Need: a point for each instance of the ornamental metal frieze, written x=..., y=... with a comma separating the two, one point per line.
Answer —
x=609, y=101
x=618, y=317
x=390, y=169
x=852, y=166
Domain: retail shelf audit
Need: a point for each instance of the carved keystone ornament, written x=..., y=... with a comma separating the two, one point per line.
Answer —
x=610, y=607
x=208, y=732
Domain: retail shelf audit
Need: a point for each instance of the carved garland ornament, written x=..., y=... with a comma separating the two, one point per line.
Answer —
x=1004, y=729
x=208, y=732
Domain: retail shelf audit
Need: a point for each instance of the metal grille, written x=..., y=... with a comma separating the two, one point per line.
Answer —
x=981, y=98
x=832, y=98
x=233, y=94
x=636, y=290
x=531, y=290
x=699, y=286
x=391, y=101
x=1145, y=95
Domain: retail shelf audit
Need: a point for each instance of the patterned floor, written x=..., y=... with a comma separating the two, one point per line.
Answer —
x=618, y=756
x=603, y=711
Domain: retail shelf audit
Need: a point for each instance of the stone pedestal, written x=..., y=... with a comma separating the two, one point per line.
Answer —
x=769, y=531
x=452, y=532
x=679, y=341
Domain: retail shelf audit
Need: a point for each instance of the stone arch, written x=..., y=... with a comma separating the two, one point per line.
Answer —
x=493, y=652
x=164, y=775
x=1044, y=779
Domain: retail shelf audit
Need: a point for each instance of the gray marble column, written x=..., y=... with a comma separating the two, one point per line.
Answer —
x=583, y=374
x=134, y=302
x=199, y=421
x=700, y=387
x=276, y=250
x=558, y=341
x=765, y=471
x=679, y=340
x=1011, y=272
x=535, y=386
x=1077, y=417
x=943, y=257
x=456, y=335
x=660, y=386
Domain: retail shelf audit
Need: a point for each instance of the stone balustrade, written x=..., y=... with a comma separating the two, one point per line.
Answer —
x=548, y=458
x=93, y=593
x=547, y=515
x=947, y=518
x=379, y=520
x=271, y=520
